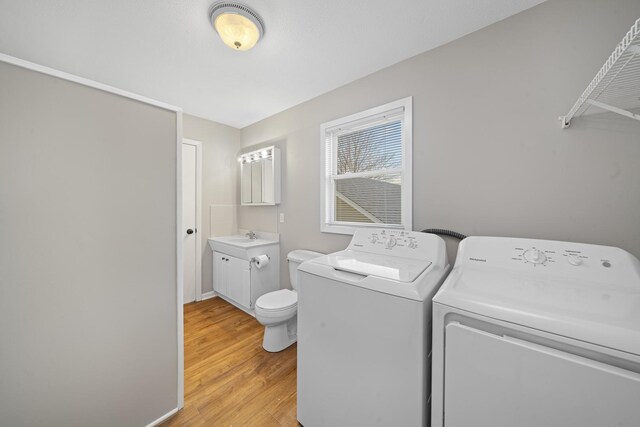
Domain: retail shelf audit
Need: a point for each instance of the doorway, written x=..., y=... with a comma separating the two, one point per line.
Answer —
x=191, y=221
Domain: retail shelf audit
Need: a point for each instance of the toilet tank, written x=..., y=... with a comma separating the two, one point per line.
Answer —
x=295, y=258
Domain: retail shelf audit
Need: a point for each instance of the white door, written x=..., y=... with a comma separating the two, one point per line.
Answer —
x=220, y=273
x=500, y=381
x=239, y=281
x=190, y=195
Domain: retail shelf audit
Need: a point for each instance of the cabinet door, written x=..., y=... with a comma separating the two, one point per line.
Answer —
x=239, y=281
x=220, y=273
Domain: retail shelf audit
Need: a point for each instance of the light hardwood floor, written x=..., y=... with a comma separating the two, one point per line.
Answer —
x=230, y=380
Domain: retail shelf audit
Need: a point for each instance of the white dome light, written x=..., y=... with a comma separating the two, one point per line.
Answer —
x=239, y=27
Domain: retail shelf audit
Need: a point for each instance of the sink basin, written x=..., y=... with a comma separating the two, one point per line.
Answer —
x=239, y=245
x=239, y=240
x=243, y=241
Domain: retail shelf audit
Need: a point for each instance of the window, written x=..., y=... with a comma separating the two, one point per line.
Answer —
x=366, y=169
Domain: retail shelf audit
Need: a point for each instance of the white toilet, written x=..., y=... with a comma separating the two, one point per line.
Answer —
x=277, y=310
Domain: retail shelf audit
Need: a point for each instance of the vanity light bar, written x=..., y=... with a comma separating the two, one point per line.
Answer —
x=253, y=156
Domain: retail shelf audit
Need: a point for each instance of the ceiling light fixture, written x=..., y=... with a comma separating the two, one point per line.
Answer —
x=239, y=27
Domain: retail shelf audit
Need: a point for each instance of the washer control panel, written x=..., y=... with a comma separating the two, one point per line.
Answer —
x=389, y=239
x=401, y=243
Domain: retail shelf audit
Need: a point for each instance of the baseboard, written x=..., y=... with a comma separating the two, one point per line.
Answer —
x=164, y=417
x=208, y=295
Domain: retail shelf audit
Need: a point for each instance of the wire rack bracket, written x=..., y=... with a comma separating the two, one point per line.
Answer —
x=616, y=87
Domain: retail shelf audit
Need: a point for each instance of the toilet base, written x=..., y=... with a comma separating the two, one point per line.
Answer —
x=278, y=337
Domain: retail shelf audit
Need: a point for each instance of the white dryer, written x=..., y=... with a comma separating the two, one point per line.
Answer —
x=364, y=330
x=533, y=333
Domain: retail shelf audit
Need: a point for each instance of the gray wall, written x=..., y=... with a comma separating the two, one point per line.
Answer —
x=489, y=155
x=88, y=320
x=220, y=144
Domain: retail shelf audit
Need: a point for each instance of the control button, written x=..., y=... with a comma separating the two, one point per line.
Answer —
x=606, y=264
x=391, y=242
x=574, y=260
x=535, y=256
x=373, y=238
x=413, y=244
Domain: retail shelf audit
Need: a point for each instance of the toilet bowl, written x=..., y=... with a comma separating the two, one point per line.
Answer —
x=277, y=310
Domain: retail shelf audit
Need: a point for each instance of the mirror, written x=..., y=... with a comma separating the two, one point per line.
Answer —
x=256, y=181
x=245, y=180
x=260, y=177
x=267, y=179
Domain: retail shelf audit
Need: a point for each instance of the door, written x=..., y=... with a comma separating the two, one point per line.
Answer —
x=501, y=381
x=190, y=220
x=239, y=281
x=220, y=273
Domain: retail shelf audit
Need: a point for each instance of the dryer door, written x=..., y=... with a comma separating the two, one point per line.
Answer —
x=501, y=381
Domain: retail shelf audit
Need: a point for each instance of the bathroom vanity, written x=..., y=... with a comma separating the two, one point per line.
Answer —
x=237, y=276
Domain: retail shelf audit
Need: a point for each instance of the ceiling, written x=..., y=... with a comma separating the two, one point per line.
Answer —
x=167, y=50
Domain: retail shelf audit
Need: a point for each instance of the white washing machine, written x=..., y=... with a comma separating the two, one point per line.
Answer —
x=364, y=330
x=534, y=333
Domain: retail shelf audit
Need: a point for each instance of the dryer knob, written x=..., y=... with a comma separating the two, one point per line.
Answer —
x=574, y=260
x=535, y=256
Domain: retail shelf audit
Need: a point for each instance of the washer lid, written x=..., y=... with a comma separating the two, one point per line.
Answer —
x=405, y=264
x=278, y=300
x=367, y=264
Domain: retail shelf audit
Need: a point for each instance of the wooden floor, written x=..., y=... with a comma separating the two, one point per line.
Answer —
x=229, y=379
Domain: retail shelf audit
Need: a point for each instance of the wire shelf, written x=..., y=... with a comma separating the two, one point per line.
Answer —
x=616, y=87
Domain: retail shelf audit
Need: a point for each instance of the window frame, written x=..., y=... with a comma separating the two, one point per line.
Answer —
x=327, y=188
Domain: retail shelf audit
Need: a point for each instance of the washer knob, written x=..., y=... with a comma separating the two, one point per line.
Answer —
x=373, y=238
x=413, y=244
x=535, y=256
x=574, y=260
x=391, y=242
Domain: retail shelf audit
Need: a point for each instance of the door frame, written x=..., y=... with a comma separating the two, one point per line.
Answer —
x=198, y=146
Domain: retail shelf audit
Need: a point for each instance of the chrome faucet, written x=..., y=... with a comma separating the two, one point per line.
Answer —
x=251, y=235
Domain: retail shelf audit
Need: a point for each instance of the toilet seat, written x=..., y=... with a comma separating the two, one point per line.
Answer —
x=281, y=300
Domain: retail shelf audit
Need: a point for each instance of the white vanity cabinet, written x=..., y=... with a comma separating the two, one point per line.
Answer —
x=232, y=278
x=236, y=277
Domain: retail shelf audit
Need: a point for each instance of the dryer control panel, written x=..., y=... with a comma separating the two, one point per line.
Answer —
x=400, y=243
x=577, y=260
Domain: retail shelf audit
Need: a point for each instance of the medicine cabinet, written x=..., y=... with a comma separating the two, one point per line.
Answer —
x=260, y=177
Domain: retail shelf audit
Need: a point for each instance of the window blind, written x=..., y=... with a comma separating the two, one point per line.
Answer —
x=365, y=169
